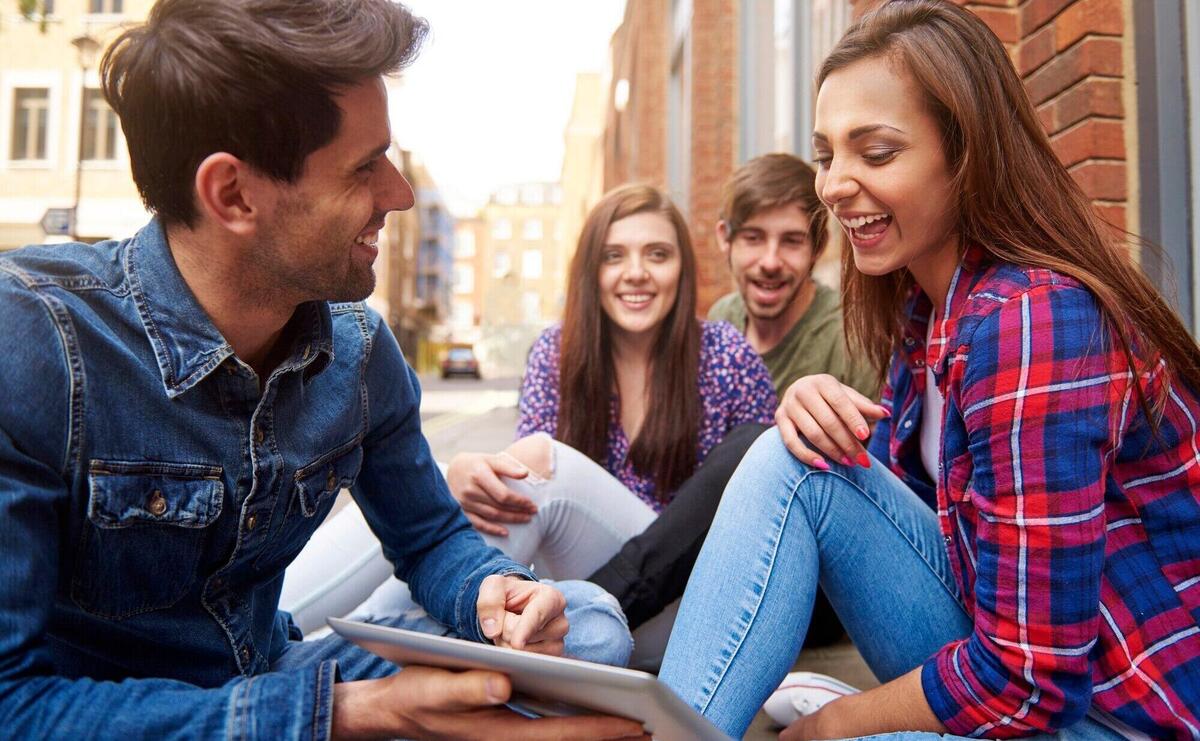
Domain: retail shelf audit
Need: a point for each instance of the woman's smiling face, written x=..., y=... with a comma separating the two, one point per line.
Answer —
x=882, y=172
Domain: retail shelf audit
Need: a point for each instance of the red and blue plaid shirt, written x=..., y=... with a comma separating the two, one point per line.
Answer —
x=1072, y=529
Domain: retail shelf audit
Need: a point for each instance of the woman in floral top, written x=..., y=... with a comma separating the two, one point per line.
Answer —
x=620, y=406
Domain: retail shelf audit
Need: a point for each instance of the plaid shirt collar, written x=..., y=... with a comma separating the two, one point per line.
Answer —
x=919, y=308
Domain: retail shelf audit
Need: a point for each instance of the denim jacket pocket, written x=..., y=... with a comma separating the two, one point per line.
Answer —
x=315, y=487
x=146, y=530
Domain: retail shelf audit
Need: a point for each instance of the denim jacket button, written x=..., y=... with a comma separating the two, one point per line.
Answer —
x=331, y=482
x=259, y=436
x=157, y=504
x=245, y=654
x=251, y=521
x=306, y=353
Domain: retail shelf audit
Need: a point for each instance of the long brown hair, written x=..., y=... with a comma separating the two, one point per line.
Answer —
x=1015, y=199
x=666, y=443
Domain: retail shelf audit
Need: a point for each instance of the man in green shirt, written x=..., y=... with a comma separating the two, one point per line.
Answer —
x=772, y=229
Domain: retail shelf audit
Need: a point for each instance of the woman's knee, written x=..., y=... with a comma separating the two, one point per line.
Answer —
x=535, y=452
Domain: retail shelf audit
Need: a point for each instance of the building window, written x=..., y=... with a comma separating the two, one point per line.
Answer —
x=464, y=279
x=506, y=196
x=466, y=243
x=531, y=264
x=105, y=6
x=532, y=229
x=31, y=111
x=501, y=264
x=502, y=229
x=99, y=127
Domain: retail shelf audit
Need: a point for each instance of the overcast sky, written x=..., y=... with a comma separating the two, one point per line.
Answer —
x=486, y=102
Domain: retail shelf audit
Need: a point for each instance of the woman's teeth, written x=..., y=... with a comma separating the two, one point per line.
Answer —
x=867, y=227
x=861, y=221
x=636, y=298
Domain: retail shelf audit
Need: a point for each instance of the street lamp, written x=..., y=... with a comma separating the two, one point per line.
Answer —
x=88, y=48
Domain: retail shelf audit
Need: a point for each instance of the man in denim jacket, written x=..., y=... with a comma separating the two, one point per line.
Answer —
x=180, y=410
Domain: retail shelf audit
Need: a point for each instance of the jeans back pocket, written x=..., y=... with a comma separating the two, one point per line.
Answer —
x=146, y=531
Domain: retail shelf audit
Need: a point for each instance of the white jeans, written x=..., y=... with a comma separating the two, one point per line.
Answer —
x=584, y=516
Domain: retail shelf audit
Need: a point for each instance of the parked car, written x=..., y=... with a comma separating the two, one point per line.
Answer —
x=460, y=361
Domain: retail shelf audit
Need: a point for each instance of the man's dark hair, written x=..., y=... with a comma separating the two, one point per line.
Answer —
x=769, y=181
x=254, y=78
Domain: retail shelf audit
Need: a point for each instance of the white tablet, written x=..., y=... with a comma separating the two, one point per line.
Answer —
x=548, y=685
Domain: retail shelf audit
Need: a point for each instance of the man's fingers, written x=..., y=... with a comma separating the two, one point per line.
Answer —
x=490, y=606
x=456, y=692
x=549, y=640
x=544, y=604
x=579, y=727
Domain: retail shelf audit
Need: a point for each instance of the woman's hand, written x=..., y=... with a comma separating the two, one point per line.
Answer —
x=831, y=416
x=474, y=480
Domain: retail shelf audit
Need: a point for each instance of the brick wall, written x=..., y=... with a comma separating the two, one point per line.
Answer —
x=714, y=135
x=635, y=139
x=1071, y=56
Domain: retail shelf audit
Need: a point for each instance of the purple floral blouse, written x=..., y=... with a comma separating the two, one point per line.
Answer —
x=735, y=388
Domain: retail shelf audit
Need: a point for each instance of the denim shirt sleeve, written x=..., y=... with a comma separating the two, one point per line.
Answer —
x=39, y=445
x=404, y=497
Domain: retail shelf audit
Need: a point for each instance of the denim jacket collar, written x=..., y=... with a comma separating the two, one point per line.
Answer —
x=187, y=346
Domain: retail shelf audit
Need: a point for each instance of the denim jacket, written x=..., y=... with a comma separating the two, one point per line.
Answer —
x=151, y=495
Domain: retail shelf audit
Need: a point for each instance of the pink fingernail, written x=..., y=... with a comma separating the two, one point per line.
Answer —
x=886, y=412
x=864, y=460
x=820, y=464
x=846, y=461
x=862, y=433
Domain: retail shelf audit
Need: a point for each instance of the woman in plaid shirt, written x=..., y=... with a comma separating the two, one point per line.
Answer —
x=1019, y=552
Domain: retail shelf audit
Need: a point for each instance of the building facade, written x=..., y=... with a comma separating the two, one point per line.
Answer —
x=61, y=146
x=700, y=86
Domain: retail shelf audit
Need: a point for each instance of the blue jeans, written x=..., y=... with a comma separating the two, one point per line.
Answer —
x=598, y=631
x=782, y=527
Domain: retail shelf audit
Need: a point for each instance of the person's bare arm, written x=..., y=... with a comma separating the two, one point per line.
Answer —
x=899, y=705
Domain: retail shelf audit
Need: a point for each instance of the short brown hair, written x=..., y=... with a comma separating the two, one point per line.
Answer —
x=254, y=78
x=769, y=181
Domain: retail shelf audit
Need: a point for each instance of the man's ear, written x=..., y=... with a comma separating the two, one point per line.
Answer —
x=723, y=236
x=228, y=193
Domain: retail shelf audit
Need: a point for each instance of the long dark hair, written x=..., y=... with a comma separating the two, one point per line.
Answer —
x=665, y=446
x=1015, y=199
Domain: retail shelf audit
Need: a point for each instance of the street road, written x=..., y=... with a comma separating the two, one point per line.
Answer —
x=461, y=414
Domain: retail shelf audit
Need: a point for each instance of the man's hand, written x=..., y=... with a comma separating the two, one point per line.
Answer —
x=522, y=614
x=426, y=703
x=474, y=480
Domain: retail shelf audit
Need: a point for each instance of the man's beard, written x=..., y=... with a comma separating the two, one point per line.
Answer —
x=775, y=310
x=340, y=278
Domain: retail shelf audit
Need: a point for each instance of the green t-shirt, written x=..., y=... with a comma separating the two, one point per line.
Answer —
x=815, y=344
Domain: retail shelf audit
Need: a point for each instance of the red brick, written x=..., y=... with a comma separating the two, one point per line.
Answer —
x=1035, y=13
x=1002, y=21
x=1094, y=138
x=1104, y=17
x=1112, y=214
x=1094, y=55
x=1095, y=96
x=1101, y=179
x=1035, y=50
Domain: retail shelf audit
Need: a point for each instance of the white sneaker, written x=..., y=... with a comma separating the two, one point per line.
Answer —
x=803, y=693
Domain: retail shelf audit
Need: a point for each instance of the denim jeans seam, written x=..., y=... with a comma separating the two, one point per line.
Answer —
x=942, y=579
x=744, y=626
